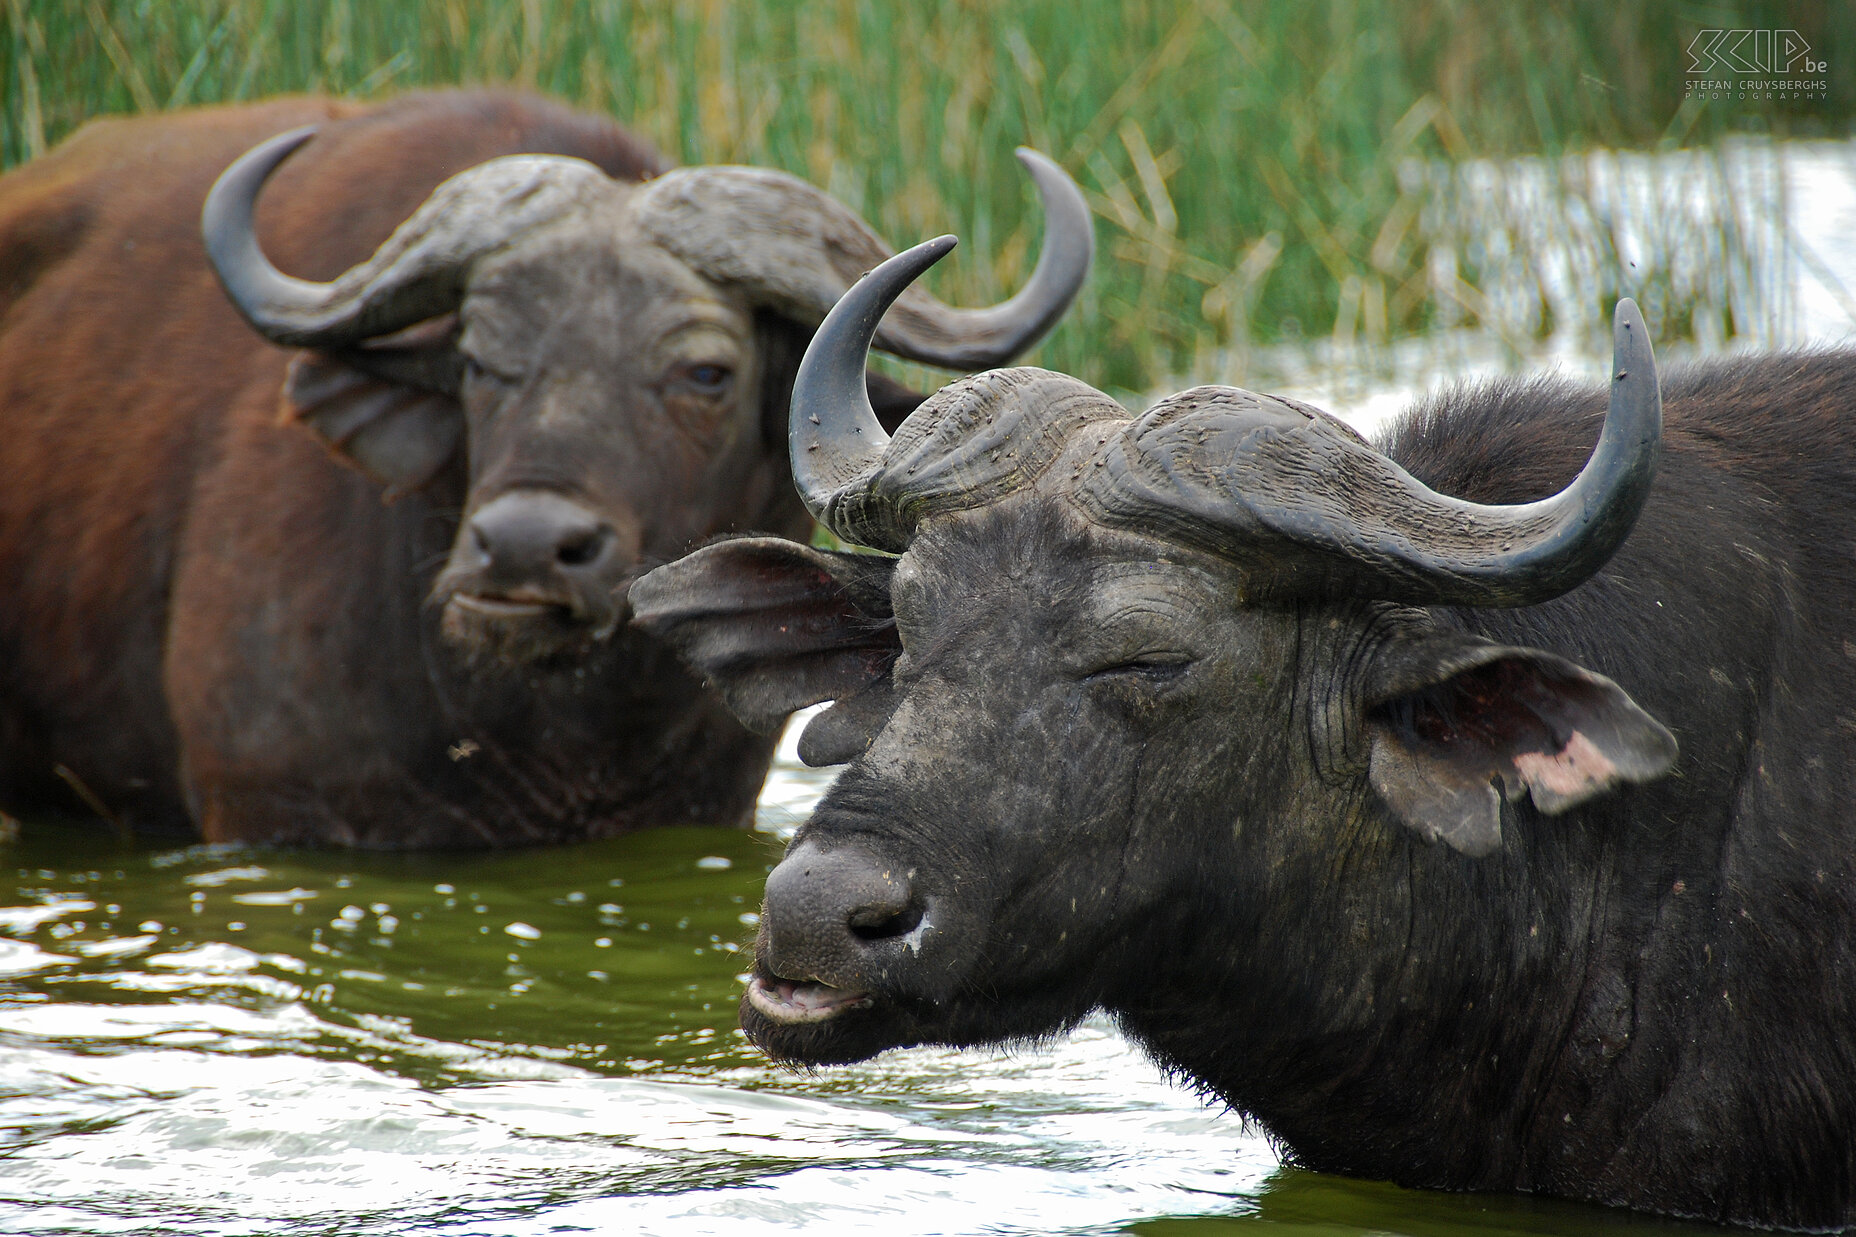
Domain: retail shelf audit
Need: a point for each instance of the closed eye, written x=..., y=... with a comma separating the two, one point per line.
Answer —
x=1154, y=667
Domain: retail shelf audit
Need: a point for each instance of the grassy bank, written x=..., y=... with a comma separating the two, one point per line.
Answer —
x=1252, y=165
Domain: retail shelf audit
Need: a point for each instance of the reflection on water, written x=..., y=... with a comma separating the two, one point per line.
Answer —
x=210, y=1041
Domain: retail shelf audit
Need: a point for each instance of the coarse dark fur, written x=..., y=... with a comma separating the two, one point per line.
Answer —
x=211, y=624
x=1646, y=1000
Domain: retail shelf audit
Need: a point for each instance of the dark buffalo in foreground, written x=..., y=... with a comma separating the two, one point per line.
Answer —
x=556, y=368
x=1464, y=823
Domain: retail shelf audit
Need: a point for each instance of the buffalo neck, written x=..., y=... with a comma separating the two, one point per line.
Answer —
x=1394, y=1009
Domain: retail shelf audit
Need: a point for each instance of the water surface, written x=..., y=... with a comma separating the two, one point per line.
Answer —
x=245, y=1041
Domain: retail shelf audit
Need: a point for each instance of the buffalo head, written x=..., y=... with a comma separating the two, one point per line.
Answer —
x=1119, y=667
x=596, y=358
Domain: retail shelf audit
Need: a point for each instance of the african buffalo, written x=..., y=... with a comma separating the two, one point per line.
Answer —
x=1324, y=784
x=561, y=368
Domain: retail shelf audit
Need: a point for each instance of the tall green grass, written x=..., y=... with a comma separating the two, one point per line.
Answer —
x=1250, y=163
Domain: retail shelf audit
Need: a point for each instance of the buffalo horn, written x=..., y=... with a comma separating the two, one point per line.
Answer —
x=1528, y=553
x=832, y=431
x=797, y=249
x=1583, y=525
x=926, y=330
x=418, y=273
x=1318, y=512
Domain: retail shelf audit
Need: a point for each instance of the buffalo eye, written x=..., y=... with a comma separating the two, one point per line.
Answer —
x=477, y=371
x=705, y=378
x=1156, y=668
x=1135, y=689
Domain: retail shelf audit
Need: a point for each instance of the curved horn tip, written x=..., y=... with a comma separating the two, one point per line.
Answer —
x=1046, y=171
x=857, y=313
x=1629, y=333
x=227, y=228
x=284, y=143
x=1034, y=160
x=1058, y=190
x=1633, y=357
x=1066, y=211
x=842, y=343
x=237, y=187
x=1041, y=166
x=918, y=258
x=982, y=338
x=832, y=432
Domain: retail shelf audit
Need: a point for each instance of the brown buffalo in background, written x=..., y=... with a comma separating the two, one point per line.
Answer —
x=556, y=373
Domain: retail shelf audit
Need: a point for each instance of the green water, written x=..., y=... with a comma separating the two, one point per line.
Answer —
x=616, y=957
x=225, y=1041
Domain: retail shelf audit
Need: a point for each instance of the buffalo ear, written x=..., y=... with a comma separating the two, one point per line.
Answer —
x=388, y=407
x=843, y=731
x=1452, y=717
x=775, y=626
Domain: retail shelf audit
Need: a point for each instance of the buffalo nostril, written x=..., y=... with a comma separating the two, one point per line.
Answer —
x=528, y=539
x=581, y=548
x=882, y=923
x=837, y=916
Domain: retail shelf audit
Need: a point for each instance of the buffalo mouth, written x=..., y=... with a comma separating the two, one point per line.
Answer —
x=788, y=1002
x=523, y=626
x=806, y=1022
x=506, y=609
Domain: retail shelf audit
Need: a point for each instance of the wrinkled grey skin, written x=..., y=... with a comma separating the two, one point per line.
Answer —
x=660, y=435
x=1407, y=883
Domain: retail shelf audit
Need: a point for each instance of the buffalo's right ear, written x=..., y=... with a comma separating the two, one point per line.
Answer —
x=388, y=407
x=1453, y=718
x=775, y=626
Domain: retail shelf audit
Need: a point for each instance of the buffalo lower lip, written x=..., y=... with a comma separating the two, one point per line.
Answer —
x=788, y=1002
x=500, y=607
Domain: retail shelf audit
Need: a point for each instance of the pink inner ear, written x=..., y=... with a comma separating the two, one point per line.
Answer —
x=1574, y=770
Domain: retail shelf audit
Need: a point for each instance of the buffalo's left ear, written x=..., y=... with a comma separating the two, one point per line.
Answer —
x=388, y=407
x=1451, y=717
x=775, y=626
